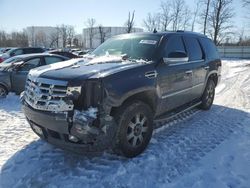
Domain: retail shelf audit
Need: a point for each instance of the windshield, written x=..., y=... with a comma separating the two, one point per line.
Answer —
x=11, y=50
x=134, y=47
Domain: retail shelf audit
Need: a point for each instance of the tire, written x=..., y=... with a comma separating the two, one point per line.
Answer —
x=3, y=91
x=135, y=127
x=208, y=95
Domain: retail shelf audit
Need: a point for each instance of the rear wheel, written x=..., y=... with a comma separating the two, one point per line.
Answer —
x=3, y=91
x=208, y=95
x=135, y=127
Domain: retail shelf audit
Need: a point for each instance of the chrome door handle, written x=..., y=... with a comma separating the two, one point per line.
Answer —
x=206, y=68
x=189, y=72
x=151, y=74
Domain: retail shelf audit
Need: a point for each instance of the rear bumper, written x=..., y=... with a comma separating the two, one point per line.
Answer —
x=56, y=129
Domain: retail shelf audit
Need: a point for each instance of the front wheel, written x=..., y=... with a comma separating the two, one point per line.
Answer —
x=135, y=127
x=208, y=95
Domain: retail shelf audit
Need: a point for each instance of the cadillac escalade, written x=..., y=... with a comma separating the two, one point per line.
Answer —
x=111, y=98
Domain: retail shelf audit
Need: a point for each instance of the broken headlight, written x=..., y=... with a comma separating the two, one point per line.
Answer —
x=74, y=92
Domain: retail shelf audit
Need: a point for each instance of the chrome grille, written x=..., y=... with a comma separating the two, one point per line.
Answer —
x=46, y=94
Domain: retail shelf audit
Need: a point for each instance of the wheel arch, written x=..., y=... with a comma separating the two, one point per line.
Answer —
x=149, y=97
x=214, y=75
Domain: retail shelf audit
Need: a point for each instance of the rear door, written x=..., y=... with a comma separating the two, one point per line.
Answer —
x=18, y=78
x=199, y=67
x=175, y=79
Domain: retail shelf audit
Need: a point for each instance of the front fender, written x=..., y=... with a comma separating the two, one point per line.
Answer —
x=116, y=101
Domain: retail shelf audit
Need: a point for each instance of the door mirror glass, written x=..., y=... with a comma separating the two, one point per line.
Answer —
x=174, y=57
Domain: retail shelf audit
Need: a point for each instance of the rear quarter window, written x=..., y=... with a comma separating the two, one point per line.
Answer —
x=51, y=60
x=210, y=49
x=193, y=48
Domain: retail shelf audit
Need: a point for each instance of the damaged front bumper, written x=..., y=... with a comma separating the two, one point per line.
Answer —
x=73, y=130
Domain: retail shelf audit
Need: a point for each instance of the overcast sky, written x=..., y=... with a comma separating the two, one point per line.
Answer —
x=18, y=14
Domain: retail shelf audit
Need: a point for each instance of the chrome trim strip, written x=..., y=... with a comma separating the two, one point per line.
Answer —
x=172, y=116
x=181, y=91
x=189, y=62
x=48, y=81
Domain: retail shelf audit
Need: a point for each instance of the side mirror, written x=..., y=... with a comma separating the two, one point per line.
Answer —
x=174, y=57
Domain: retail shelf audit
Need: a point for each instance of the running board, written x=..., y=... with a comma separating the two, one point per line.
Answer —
x=171, y=115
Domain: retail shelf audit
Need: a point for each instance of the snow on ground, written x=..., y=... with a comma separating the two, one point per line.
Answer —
x=199, y=149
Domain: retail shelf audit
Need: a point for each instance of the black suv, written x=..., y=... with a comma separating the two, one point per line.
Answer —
x=111, y=98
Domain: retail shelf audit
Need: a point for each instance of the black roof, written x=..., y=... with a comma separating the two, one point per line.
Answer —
x=180, y=32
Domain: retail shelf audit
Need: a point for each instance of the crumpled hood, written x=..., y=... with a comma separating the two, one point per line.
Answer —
x=83, y=68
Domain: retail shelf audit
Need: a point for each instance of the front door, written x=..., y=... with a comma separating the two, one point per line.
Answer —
x=18, y=77
x=174, y=80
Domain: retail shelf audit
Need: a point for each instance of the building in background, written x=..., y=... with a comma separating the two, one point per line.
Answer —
x=93, y=37
x=43, y=36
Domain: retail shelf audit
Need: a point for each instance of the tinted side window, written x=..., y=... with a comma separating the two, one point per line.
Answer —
x=28, y=50
x=210, y=49
x=30, y=64
x=193, y=48
x=174, y=44
x=17, y=52
x=33, y=50
x=38, y=50
x=51, y=60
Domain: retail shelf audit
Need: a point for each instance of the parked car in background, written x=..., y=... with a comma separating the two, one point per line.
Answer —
x=4, y=50
x=75, y=50
x=64, y=53
x=19, y=51
x=14, y=71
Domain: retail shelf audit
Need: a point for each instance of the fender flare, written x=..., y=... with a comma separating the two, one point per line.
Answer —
x=118, y=102
x=209, y=74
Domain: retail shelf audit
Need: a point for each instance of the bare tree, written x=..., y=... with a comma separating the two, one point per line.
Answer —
x=241, y=36
x=63, y=34
x=3, y=39
x=152, y=22
x=219, y=19
x=186, y=18
x=246, y=2
x=165, y=14
x=54, y=38
x=41, y=39
x=204, y=15
x=70, y=34
x=130, y=22
x=90, y=24
x=102, y=33
x=13, y=39
x=178, y=13
x=32, y=36
x=195, y=13
x=67, y=33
